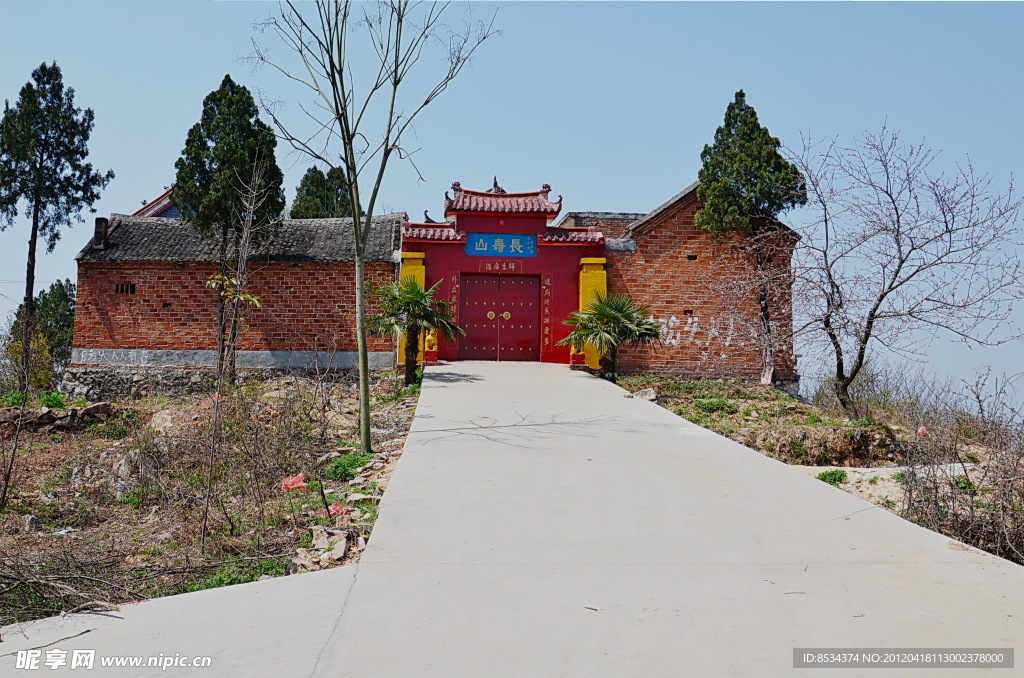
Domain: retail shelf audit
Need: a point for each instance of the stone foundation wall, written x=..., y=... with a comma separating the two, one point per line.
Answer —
x=127, y=374
x=131, y=383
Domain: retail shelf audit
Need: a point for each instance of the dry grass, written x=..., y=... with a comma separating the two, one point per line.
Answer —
x=121, y=516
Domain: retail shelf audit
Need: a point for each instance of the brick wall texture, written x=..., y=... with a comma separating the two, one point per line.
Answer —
x=702, y=290
x=305, y=306
x=698, y=287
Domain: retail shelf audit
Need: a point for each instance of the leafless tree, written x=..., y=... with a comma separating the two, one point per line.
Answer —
x=355, y=60
x=755, y=298
x=233, y=288
x=896, y=252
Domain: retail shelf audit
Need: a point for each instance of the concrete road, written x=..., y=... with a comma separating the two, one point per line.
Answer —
x=541, y=524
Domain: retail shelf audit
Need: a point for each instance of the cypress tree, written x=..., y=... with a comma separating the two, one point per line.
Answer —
x=227, y=148
x=745, y=183
x=322, y=196
x=219, y=155
x=744, y=180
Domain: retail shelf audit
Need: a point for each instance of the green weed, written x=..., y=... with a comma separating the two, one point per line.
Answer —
x=835, y=477
x=13, y=399
x=344, y=467
x=53, y=400
x=716, y=405
x=121, y=425
x=799, y=450
x=964, y=484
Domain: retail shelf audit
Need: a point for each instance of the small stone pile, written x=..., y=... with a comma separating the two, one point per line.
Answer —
x=330, y=544
x=46, y=419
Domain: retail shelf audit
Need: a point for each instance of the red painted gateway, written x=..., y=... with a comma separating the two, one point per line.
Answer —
x=510, y=274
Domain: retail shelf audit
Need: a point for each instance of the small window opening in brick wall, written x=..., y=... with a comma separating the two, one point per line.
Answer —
x=691, y=257
x=124, y=288
x=688, y=312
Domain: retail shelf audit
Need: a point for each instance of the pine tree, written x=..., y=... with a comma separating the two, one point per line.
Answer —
x=322, y=196
x=43, y=148
x=744, y=181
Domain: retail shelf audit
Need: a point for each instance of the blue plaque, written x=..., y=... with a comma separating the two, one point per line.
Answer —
x=501, y=245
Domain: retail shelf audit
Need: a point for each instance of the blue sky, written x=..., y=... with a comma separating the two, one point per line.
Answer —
x=610, y=103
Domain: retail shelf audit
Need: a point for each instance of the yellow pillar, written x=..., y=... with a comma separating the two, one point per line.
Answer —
x=593, y=281
x=412, y=266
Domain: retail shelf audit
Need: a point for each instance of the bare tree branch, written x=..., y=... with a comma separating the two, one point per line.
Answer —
x=394, y=36
x=895, y=248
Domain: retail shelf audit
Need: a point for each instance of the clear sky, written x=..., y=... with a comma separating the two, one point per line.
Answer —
x=610, y=103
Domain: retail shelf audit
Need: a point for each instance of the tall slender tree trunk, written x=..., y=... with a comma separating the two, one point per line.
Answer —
x=28, y=322
x=364, y=363
x=221, y=305
x=764, y=311
x=412, y=350
x=230, y=347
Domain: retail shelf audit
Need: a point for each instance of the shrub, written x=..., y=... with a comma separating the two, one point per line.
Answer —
x=344, y=467
x=835, y=477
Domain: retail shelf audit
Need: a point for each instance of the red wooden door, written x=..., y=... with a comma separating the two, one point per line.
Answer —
x=501, y=318
x=478, y=317
x=519, y=329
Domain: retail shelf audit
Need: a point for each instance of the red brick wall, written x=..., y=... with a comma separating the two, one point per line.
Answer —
x=707, y=320
x=306, y=306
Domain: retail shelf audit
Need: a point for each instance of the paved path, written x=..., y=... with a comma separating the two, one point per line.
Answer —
x=540, y=524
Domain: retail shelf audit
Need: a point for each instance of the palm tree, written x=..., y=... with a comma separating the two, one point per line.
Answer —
x=608, y=322
x=407, y=308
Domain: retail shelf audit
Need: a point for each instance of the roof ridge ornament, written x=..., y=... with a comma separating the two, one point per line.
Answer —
x=496, y=188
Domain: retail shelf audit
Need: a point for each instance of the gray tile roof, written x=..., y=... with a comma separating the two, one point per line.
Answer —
x=611, y=216
x=133, y=238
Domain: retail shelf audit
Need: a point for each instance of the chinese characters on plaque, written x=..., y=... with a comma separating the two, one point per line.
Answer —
x=501, y=245
x=501, y=267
